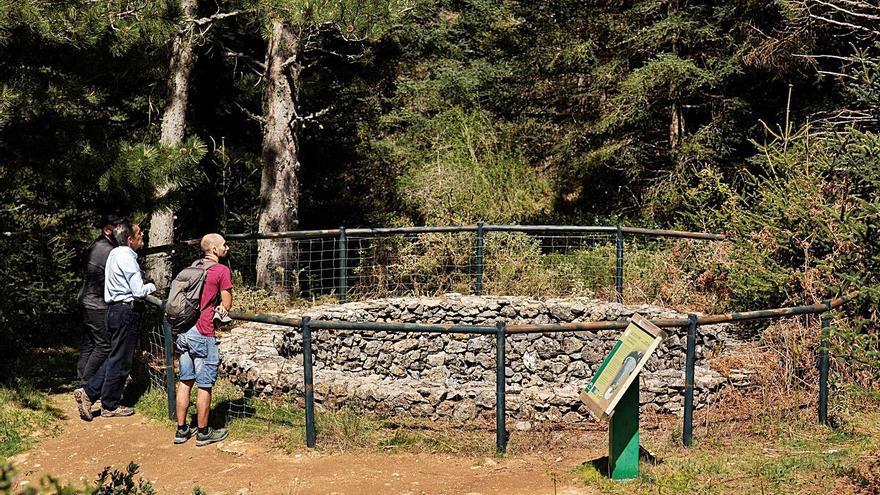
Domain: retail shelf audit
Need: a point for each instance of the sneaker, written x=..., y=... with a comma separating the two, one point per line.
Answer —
x=83, y=404
x=221, y=315
x=181, y=436
x=117, y=413
x=211, y=437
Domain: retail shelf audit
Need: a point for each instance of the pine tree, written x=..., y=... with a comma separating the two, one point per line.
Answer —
x=650, y=95
x=290, y=26
x=173, y=133
x=72, y=103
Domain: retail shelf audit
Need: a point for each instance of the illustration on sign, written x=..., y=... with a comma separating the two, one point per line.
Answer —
x=629, y=354
x=629, y=365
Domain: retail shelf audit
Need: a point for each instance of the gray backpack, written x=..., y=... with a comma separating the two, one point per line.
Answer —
x=183, y=307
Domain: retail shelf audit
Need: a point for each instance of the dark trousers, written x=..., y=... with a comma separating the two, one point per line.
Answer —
x=95, y=345
x=124, y=328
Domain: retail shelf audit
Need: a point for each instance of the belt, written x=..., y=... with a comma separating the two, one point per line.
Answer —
x=136, y=305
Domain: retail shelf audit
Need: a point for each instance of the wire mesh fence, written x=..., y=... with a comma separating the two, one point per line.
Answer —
x=364, y=267
x=549, y=262
x=541, y=263
x=153, y=347
x=511, y=263
x=671, y=272
x=548, y=265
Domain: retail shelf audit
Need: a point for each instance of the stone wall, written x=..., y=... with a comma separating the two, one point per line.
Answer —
x=431, y=375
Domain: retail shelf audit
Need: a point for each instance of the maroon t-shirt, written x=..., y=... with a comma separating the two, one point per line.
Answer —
x=217, y=278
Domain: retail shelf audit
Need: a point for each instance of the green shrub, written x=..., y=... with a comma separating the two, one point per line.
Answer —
x=460, y=168
x=804, y=230
x=426, y=264
x=109, y=482
x=514, y=265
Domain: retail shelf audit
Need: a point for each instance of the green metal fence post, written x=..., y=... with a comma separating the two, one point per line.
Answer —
x=623, y=436
x=618, y=279
x=478, y=284
x=342, y=276
x=500, y=407
x=688, y=427
x=309, y=386
x=170, y=381
x=824, y=365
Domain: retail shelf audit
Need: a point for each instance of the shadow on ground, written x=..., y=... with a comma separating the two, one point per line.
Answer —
x=600, y=464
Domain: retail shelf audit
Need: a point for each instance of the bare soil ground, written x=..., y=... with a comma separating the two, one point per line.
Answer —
x=763, y=439
x=81, y=450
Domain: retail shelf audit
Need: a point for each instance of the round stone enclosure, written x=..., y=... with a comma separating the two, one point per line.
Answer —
x=453, y=376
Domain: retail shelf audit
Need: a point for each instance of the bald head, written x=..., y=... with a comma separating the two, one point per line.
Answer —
x=214, y=246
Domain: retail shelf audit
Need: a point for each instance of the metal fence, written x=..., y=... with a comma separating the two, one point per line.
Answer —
x=162, y=365
x=609, y=262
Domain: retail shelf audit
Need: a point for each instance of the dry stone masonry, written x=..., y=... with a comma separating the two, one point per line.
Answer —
x=453, y=376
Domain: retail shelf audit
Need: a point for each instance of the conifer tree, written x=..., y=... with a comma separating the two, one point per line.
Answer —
x=290, y=27
x=72, y=106
x=173, y=132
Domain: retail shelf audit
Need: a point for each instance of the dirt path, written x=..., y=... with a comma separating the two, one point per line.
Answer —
x=82, y=449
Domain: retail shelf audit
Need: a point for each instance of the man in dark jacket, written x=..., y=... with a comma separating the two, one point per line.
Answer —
x=95, y=341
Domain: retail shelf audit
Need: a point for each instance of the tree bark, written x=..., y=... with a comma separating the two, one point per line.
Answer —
x=279, y=187
x=173, y=131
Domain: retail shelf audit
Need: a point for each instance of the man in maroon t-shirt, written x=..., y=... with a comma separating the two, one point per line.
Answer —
x=200, y=355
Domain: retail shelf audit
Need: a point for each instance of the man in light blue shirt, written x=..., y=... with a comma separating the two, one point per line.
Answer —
x=123, y=278
x=124, y=291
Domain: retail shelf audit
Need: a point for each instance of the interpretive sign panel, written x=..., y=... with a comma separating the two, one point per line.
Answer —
x=629, y=354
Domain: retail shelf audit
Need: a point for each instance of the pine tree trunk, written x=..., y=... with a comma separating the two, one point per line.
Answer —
x=173, y=131
x=279, y=188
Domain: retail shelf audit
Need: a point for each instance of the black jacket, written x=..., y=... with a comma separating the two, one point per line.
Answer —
x=91, y=295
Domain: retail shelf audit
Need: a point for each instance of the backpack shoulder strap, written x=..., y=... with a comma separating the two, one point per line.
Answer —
x=206, y=264
x=203, y=263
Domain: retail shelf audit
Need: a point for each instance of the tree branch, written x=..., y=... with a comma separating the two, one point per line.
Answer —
x=864, y=5
x=228, y=52
x=197, y=23
x=251, y=115
x=350, y=58
x=304, y=119
x=845, y=24
x=218, y=16
x=290, y=61
x=835, y=57
x=847, y=11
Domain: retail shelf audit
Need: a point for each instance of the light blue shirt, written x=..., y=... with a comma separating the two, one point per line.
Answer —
x=123, y=281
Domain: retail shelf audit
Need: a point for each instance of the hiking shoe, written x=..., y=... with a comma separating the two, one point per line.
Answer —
x=211, y=437
x=117, y=413
x=181, y=436
x=83, y=404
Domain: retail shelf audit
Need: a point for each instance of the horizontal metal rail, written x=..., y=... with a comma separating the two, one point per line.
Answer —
x=551, y=228
x=381, y=231
x=537, y=328
x=315, y=234
x=674, y=233
x=683, y=322
x=366, y=326
x=500, y=330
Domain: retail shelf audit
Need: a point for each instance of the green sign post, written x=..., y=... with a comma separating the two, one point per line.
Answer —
x=613, y=394
x=623, y=437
